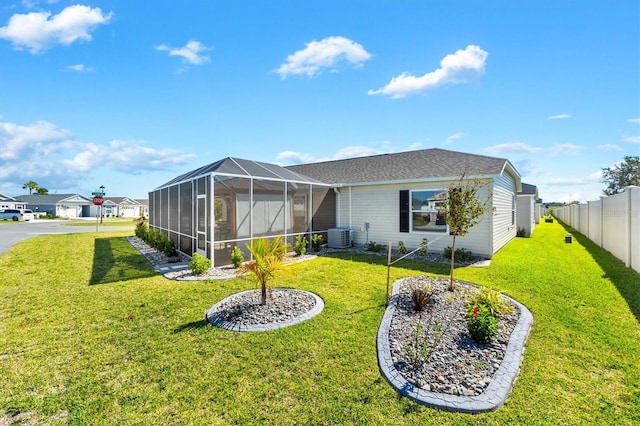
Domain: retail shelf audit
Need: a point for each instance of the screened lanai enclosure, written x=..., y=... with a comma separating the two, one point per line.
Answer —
x=228, y=203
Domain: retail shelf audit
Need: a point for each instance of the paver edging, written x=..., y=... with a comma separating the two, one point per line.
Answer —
x=215, y=320
x=493, y=396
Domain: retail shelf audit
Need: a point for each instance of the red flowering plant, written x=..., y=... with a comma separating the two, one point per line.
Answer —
x=481, y=324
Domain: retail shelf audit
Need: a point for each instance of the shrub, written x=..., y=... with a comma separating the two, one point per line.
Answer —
x=423, y=250
x=316, y=242
x=237, y=257
x=300, y=246
x=481, y=324
x=199, y=264
x=401, y=248
x=267, y=259
x=461, y=255
x=521, y=232
x=421, y=295
x=142, y=230
x=491, y=300
x=372, y=246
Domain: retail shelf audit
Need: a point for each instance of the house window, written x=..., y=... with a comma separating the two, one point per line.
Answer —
x=424, y=211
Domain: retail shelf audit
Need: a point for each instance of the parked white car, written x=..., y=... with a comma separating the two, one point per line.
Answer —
x=27, y=214
x=12, y=214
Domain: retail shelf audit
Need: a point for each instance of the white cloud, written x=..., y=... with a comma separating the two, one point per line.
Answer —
x=80, y=68
x=192, y=52
x=566, y=181
x=567, y=149
x=459, y=67
x=512, y=148
x=326, y=53
x=354, y=151
x=609, y=147
x=39, y=31
x=634, y=120
x=454, y=137
x=632, y=139
x=559, y=117
x=50, y=156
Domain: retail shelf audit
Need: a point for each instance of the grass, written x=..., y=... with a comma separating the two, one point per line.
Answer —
x=89, y=334
x=105, y=222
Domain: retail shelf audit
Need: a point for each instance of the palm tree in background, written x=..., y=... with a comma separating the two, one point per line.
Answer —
x=31, y=185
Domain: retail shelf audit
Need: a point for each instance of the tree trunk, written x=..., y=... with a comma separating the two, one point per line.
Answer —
x=264, y=294
x=453, y=254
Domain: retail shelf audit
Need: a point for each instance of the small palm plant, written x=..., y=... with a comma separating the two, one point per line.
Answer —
x=267, y=260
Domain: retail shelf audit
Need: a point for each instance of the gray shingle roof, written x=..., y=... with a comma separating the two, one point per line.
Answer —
x=48, y=198
x=529, y=189
x=410, y=165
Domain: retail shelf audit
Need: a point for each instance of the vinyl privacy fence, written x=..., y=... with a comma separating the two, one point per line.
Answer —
x=613, y=222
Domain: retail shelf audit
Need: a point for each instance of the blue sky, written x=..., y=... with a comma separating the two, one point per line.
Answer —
x=129, y=94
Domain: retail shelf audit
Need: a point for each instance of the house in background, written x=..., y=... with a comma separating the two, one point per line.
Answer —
x=394, y=197
x=226, y=204
x=144, y=206
x=119, y=207
x=529, y=209
x=7, y=202
x=66, y=206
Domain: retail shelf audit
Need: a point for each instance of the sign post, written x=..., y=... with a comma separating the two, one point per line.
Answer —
x=98, y=200
x=98, y=194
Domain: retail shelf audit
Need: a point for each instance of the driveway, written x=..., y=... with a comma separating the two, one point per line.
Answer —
x=11, y=233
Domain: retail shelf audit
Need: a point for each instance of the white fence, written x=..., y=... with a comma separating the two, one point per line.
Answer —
x=612, y=222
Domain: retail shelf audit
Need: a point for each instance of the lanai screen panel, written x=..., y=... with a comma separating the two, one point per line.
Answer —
x=268, y=208
x=298, y=203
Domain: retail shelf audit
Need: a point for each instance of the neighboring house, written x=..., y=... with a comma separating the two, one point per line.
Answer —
x=144, y=206
x=7, y=202
x=394, y=197
x=119, y=206
x=61, y=205
x=529, y=209
x=228, y=203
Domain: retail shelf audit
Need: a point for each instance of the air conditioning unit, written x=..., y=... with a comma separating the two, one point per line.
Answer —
x=339, y=237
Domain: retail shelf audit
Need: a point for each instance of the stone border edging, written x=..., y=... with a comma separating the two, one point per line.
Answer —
x=215, y=320
x=493, y=396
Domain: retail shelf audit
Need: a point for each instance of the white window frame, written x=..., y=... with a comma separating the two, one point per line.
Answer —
x=444, y=230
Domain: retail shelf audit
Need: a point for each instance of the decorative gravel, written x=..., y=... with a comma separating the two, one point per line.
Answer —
x=432, y=349
x=283, y=305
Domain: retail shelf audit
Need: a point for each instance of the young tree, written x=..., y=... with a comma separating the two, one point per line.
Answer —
x=621, y=175
x=462, y=209
x=31, y=185
x=267, y=260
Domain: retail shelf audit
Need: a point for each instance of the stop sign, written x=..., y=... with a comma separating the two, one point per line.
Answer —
x=98, y=200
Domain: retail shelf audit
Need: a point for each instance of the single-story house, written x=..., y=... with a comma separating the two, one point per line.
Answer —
x=119, y=206
x=529, y=209
x=228, y=203
x=144, y=206
x=7, y=202
x=394, y=197
x=382, y=198
x=61, y=205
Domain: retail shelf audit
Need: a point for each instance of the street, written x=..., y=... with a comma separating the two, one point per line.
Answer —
x=12, y=233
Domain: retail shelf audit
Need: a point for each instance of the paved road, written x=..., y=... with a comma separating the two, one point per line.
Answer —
x=10, y=234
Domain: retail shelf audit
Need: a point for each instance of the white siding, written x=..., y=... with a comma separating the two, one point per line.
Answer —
x=378, y=205
x=504, y=228
x=525, y=217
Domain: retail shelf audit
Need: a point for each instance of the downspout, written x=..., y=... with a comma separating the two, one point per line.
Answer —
x=337, y=192
x=350, y=218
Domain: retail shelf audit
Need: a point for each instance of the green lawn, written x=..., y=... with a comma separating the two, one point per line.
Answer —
x=89, y=334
